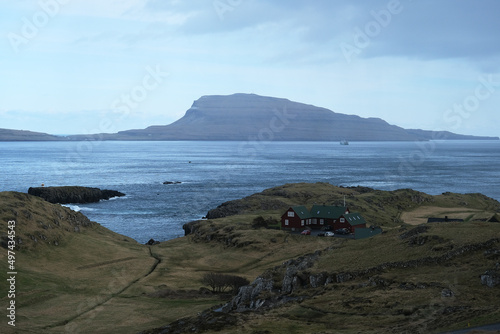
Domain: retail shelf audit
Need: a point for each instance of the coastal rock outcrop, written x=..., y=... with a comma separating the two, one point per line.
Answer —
x=191, y=227
x=73, y=194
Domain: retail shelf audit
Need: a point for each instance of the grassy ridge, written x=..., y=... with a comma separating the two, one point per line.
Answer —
x=382, y=208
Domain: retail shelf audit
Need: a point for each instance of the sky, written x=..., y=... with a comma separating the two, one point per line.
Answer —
x=92, y=66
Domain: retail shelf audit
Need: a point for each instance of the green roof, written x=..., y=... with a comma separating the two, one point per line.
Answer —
x=327, y=211
x=301, y=211
x=355, y=219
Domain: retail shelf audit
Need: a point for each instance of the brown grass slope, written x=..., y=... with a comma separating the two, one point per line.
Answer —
x=76, y=276
x=67, y=265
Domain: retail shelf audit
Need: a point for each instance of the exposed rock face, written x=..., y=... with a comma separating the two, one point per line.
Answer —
x=73, y=194
x=491, y=278
x=275, y=286
x=248, y=297
x=191, y=227
x=266, y=292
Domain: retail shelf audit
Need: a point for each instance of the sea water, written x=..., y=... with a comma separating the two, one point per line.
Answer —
x=214, y=172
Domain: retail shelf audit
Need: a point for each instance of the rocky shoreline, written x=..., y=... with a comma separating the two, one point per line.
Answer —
x=73, y=194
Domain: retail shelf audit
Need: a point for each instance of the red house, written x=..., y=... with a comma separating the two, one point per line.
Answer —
x=298, y=217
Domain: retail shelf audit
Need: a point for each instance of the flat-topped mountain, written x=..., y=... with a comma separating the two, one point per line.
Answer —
x=248, y=117
x=253, y=117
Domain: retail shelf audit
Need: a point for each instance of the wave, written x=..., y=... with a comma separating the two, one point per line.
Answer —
x=115, y=198
x=77, y=208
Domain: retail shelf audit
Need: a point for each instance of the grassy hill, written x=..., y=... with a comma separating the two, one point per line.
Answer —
x=76, y=276
x=68, y=266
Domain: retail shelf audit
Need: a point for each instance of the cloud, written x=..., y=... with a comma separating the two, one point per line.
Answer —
x=423, y=29
x=444, y=29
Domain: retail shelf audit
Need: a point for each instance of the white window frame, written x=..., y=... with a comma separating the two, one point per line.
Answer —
x=291, y=214
x=287, y=222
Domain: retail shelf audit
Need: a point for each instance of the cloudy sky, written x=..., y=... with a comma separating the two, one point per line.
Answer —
x=67, y=65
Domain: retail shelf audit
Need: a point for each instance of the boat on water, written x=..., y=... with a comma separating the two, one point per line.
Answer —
x=344, y=142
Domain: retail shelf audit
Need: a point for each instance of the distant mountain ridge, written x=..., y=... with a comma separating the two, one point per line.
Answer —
x=243, y=117
x=23, y=135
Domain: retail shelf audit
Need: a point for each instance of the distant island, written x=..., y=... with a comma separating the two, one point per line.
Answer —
x=242, y=117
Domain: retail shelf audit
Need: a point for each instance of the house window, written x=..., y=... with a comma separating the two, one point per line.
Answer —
x=315, y=221
x=291, y=214
x=302, y=222
x=321, y=221
x=342, y=220
x=286, y=222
